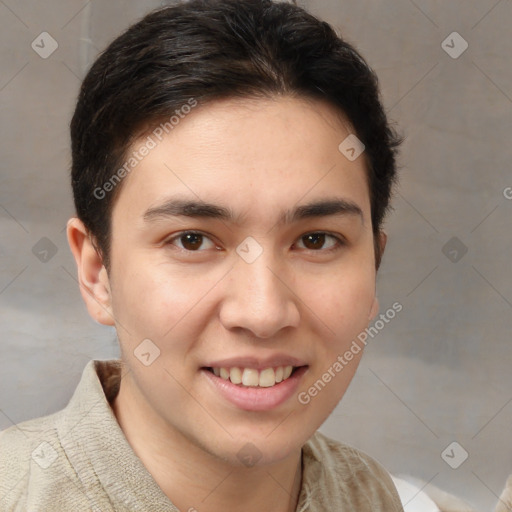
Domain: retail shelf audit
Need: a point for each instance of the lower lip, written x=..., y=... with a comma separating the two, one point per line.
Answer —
x=255, y=398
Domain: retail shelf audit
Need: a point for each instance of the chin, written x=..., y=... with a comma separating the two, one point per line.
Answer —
x=257, y=450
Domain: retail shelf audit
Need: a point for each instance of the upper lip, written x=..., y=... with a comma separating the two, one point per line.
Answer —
x=256, y=362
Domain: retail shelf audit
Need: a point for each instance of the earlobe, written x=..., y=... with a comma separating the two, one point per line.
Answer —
x=380, y=242
x=374, y=309
x=92, y=275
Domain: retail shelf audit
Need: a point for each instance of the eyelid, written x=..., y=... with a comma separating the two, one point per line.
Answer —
x=177, y=236
x=340, y=241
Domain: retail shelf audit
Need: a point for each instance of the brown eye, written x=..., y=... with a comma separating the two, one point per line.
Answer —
x=191, y=241
x=316, y=241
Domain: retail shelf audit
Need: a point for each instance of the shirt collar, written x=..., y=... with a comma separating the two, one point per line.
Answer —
x=100, y=454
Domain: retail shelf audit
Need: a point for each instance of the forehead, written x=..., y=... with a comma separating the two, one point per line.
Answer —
x=253, y=155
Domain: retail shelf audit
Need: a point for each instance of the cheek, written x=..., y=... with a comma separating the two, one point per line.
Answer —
x=159, y=304
x=343, y=308
x=342, y=301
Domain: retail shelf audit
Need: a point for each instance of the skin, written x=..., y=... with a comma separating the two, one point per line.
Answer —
x=258, y=157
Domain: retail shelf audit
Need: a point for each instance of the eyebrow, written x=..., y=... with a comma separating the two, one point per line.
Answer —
x=175, y=207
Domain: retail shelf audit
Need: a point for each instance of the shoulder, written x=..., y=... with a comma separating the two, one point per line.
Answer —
x=18, y=442
x=351, y=473
x=36, y=470
x=29, y=443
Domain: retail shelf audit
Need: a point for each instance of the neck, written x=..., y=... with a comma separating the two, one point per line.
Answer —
x=199, y=481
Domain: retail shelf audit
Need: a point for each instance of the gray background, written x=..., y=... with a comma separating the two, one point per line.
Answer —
x=440, y=371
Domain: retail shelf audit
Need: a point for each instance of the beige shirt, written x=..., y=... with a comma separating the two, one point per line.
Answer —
x=78, y=459
x=505, y=502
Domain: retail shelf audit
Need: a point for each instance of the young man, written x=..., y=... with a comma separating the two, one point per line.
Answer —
x=232, y=166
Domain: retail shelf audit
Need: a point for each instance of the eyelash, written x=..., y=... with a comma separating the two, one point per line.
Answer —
x=340, y=242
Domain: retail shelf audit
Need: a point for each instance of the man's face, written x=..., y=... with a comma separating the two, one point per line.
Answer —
x=246, y=293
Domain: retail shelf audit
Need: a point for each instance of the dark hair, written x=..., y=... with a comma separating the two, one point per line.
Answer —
x=204, y=50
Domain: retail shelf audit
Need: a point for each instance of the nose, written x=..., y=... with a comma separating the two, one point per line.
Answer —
x=259, y=299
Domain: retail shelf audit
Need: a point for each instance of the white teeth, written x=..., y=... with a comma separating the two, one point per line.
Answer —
x=235, y=375
x=266, y=378
x=250, y=377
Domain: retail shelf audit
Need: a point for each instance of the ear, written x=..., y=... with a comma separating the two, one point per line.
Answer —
x=92, y=275
x=380, y=245
x=374, y=309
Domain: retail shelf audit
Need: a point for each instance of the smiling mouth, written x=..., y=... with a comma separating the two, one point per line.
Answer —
x=250, y=377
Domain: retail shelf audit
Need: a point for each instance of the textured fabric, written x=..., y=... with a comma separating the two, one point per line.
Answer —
x=78, y=459
x=505, y=502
